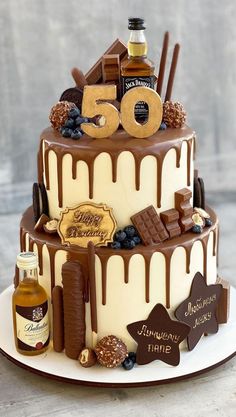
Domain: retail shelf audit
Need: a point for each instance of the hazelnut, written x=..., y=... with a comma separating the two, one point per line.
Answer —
x=51, y=226
x=87, y=358
x=198, y=220
x=202, y=212
x=39, y=226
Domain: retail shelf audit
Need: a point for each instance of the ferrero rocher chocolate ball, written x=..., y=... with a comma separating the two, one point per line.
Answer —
x=174, y=114
x=59, y=113
x=111, y=351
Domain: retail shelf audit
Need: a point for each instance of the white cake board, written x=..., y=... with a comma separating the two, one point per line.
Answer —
x=210, y=352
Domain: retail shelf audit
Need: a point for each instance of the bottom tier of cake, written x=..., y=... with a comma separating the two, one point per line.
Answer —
x=122, y=286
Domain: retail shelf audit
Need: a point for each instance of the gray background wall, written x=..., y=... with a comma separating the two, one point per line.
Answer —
x=42, y=40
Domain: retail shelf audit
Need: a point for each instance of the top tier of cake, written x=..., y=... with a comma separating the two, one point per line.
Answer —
x=125, y=173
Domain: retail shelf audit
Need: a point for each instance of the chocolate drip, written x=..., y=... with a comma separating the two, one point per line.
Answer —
x=104, y=260
x=31, y=245
x=204, y=247
x=40, y=257
x=52, y=252
x=126, y=260
x=59, y=179
x=188, y=259
x=92, y=286
x=46, y=162
x=214, y=241
x=40, y=163
x=147, y=259
x=168, y=256
x=88, y=149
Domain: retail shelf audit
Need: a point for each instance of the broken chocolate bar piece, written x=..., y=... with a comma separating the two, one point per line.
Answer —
x=182, y=204
x=149, y=226
x=94, y=75
x=222, y=312
x=111, y=67
x=170, y=219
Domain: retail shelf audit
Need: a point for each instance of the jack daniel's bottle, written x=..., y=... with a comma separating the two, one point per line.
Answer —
x=137, y=70
x=30, y=308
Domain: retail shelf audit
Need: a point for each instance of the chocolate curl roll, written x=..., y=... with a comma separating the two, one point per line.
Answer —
x=172, y=72
x=58, y=318
x=74, y=308
x=162, y=63
x=79, y=78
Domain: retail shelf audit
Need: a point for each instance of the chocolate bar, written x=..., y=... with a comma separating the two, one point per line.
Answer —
x=182, y=204
x=74, y=308
x=58, y=318
x=111, y=67
x=170, y=219
x=149, y=226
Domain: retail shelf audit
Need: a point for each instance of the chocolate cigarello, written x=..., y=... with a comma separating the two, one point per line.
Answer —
x=92, y=285
x=172, y=72
x=79, y=77
x=74, y=308
x=58, y=318
x=162, y=63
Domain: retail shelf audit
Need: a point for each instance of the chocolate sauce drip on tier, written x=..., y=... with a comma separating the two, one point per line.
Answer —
x=87, y=150
x=166, y=248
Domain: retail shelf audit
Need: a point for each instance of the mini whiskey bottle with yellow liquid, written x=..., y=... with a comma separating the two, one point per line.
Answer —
x=30, y=308
x=137, y=70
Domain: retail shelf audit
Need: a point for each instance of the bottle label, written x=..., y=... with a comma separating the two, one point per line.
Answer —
x=141, y=108
x=32, y=327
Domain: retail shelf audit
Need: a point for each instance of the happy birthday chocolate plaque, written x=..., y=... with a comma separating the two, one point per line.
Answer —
x=199, y=309
x=87, y=222
x=158, y=337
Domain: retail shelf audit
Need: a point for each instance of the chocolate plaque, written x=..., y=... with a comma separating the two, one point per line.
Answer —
x=199, y=309
x=158, y=337
x=87, y=222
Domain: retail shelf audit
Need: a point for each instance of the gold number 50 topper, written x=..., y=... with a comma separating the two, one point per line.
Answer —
x=94, y=104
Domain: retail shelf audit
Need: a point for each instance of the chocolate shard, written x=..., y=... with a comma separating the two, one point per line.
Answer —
x=94, y=75
x=58, y=318
x=149, y=226
x=74, y=308
x=170, y=220
x=223, y=308
x=196, y=193
x=182, y=204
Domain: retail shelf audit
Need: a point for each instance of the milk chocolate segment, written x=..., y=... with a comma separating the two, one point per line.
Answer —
x=58, y=318
x=110, y=67
x=182, y=204
x=149, y=226
x=74, y=309
x=170, y=219
x=94, y=75
x=222, y=312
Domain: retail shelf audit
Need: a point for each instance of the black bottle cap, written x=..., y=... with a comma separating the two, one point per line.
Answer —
x=136, y=23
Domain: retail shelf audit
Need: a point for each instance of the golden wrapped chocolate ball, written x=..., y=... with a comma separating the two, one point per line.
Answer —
x=111, y=351
x=59, y=113
x=174, y=114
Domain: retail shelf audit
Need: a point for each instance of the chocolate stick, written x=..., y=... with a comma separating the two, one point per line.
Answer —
x=79, y=78
x=172, y=72
x=162, y=63
x=92, y=286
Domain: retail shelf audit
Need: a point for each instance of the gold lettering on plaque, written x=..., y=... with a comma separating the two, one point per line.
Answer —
x=87, y=222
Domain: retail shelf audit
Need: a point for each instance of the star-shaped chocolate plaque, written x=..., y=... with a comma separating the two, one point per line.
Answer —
x=199, y=309
x=158, y=337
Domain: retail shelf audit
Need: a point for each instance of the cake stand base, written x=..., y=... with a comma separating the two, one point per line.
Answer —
x=211, y=351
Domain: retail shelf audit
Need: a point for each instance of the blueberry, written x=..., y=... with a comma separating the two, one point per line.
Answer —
x=69, y=123
x=120, y=236
x=128, y=244
x=76, y=134
x=74, y=112
x=196, y=229
x=130, y=231
x=162, y=126
x=115, y=245
x=137, y=240
x=79, y=120
x=66, y=132
x=208, y=222
x=128, y=364
x=132, y=356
